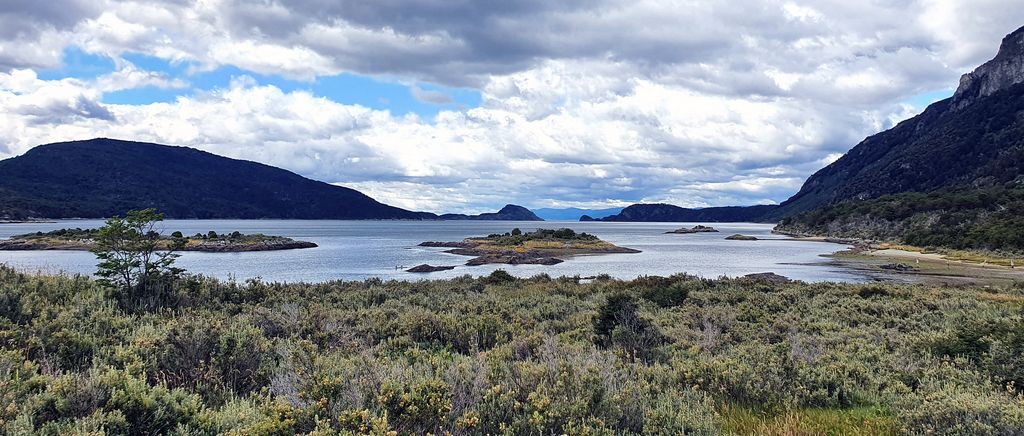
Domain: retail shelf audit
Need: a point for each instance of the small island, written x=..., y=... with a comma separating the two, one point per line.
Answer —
x=540, y=247
x=425, y=268
x=695, y=229
x=85, y=240
x=739, y=237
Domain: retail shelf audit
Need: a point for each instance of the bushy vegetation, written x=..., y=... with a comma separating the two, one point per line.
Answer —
x=501, y=355
x=79, y=233
x=517, y=237
x=75, y=233
x=990, y=219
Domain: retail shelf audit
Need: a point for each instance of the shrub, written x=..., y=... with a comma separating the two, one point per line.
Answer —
x=419, y=407
x=214, y=358
x=618, y=323
x=673, y=294
x=499, y=276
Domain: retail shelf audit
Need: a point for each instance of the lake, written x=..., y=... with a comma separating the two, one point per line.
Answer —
x=357, y=250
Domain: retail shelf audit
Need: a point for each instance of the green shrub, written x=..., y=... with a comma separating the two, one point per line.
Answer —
x=618, y=323
x=214, y=358
x=537, y=356
x=500, y=276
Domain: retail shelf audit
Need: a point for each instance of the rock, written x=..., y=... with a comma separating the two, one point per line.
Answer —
x=897, y=267
x=587, y=218
x=1003, y=71
x=695, y=229
x=437, y=244
x=513, y=259
x=739, y=237
x=767, y=277
x=428, y=268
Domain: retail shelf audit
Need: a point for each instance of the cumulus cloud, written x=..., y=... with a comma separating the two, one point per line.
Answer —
x=697, y=103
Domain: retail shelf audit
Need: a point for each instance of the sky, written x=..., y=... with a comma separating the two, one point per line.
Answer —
x=464, y=106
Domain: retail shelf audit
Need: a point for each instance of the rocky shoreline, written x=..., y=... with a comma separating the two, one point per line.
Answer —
x=425, y=268
x=695, y=229
x=243, y=243
x=543, y=247
x=739, y=237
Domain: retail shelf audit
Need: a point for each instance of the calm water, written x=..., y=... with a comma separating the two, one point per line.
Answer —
x=356, y=250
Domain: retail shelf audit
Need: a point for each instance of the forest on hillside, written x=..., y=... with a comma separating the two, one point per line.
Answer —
x=989, y=219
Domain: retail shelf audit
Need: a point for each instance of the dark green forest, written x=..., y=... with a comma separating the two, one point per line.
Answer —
x=101, y=177
x=990, y=219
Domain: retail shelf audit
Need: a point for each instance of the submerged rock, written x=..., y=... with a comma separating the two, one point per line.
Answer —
x=738, y=237
x=424, y=268
x=897, y=267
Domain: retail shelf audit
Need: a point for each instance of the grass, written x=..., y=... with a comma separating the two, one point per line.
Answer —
x=968, y=256
x=860, y=421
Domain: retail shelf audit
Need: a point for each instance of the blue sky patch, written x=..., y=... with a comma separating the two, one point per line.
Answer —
x=423, y=99
x=923, y=100
x=78, y=64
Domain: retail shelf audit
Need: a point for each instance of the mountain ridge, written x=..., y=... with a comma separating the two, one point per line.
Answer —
x=102, y=177
x=573, y=213
x=661, y=212
x=510, y=212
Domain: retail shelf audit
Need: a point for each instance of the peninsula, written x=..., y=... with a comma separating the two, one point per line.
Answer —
x=84, y=240
x=540, y=247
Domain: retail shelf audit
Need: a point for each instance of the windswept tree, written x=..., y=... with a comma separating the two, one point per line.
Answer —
x=135, y=260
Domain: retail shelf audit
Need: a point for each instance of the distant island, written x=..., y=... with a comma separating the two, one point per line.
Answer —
x=668, y=213
x=84, y=240
x=540, y=247
x=739, y=237
x=510, y=212
x=574, y=213
x=695, y=229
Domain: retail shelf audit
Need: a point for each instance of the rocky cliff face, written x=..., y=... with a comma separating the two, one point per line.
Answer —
x=1003, y=71
x=971, y=140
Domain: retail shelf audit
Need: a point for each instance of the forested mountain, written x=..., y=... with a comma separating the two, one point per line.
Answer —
x=105, y=177
x=670, y=213
x=949, y=177
x=973, y=139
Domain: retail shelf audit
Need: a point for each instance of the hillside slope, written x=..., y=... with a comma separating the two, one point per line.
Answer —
x=973, y=139
x=103, y=177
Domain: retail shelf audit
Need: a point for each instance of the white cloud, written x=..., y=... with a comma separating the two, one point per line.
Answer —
x=693, y=102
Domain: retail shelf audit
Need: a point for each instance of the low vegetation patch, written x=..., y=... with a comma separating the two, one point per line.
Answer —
x=542, y=246
x=503, y=355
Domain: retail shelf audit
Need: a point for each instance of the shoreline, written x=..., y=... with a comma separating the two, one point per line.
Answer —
x=888, y=264
x=541, y=247
x=83, y=240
